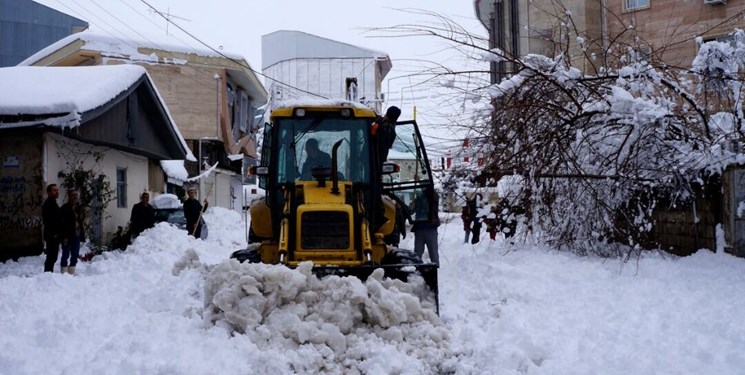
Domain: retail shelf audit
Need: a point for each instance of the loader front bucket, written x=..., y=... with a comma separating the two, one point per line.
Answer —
x=428, y=271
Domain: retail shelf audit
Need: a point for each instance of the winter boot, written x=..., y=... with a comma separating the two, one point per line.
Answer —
x=64, y=269
x=71, y=270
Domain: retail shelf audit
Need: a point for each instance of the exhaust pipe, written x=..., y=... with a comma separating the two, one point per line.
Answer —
x=335, y=168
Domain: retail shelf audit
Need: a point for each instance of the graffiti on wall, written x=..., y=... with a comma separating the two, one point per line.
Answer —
x=21, y=193
x=20, y=222
x=16, y=198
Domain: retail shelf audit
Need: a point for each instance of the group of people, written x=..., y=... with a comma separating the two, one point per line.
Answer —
x=500, y=218
x=62, y=226
x=143, y=214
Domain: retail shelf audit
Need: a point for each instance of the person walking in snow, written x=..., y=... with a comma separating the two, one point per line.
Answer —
x=50, y=216
x=72, y=232
x=143, y=216
x=477, y=221
x=468, y=213
x=491, y=223
x=426, y=221
x=193, y=213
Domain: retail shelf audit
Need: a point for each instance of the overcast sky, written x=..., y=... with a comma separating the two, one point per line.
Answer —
x=236, y=26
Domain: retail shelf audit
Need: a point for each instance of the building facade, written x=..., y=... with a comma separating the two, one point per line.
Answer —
x=669, y=28
x=115, y=133
x=27, y=26
x=212, y=97
x=297, y=64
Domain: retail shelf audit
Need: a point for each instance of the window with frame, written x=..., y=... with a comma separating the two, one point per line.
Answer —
x=729, y=39
x=121, y=187
x=630, y=5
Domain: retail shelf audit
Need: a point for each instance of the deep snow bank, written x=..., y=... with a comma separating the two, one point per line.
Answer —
x=335, y=324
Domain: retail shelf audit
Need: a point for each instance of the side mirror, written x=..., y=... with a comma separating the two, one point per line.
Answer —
x=258, y=170
x=389, y=168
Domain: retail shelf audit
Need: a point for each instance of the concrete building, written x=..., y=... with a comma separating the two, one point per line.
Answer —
x=27, y=26
x=669, y=27
x=297, y=64
x=540, y=27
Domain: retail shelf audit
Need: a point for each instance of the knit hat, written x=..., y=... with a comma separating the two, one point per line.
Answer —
x=393, y=112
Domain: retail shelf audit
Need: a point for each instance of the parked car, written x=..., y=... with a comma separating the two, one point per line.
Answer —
x=169, y=209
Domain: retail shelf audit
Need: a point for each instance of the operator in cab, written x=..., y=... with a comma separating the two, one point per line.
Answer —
x=314, y=158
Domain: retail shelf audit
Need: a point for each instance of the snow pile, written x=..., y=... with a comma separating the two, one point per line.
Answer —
x=335, y=324
x=504, y=309
x=166, y=201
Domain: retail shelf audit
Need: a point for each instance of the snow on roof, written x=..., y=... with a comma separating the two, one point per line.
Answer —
x=127, y=48
x=308, y=101
x=61, y=90
x=175, y=171
x=166, y=201
x=67, y=93
x=291, y=44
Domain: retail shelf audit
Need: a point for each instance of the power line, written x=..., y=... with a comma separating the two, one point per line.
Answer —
x=237, y=62
x=117, y=32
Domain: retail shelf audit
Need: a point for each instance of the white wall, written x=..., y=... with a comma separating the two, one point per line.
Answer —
x=326, y=76
x=217, y=189
x=59, y=149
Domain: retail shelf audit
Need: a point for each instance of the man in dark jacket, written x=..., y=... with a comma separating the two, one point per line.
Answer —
x=50, y=217
x=72, y=232
x=315, y=157
x=384, y=134
x=426, y=221
x=193, y=212
x=143, y=216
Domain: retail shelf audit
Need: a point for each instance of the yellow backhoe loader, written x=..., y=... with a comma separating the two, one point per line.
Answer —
x=332, y=214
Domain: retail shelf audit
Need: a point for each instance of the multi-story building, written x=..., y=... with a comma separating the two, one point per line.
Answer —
x=544, y=27
x=297, y=64
x=587, y=28
x=669, y=28
x=27, y=26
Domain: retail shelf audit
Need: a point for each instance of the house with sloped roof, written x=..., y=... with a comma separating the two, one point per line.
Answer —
x=108, y=122
x=213, y=96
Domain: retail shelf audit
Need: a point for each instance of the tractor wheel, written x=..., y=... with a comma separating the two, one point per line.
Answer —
x=246, y=255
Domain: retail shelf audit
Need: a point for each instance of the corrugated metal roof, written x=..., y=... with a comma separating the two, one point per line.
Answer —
x=285, y=45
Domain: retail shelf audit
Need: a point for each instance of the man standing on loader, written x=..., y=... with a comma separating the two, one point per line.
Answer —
x=384, y=134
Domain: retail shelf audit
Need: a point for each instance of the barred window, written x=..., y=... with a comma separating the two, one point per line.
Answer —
x=121, y=187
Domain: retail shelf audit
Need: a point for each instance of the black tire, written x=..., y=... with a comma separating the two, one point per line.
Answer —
x=246, y=255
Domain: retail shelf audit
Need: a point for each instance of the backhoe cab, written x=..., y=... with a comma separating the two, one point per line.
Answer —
x=324, y=185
